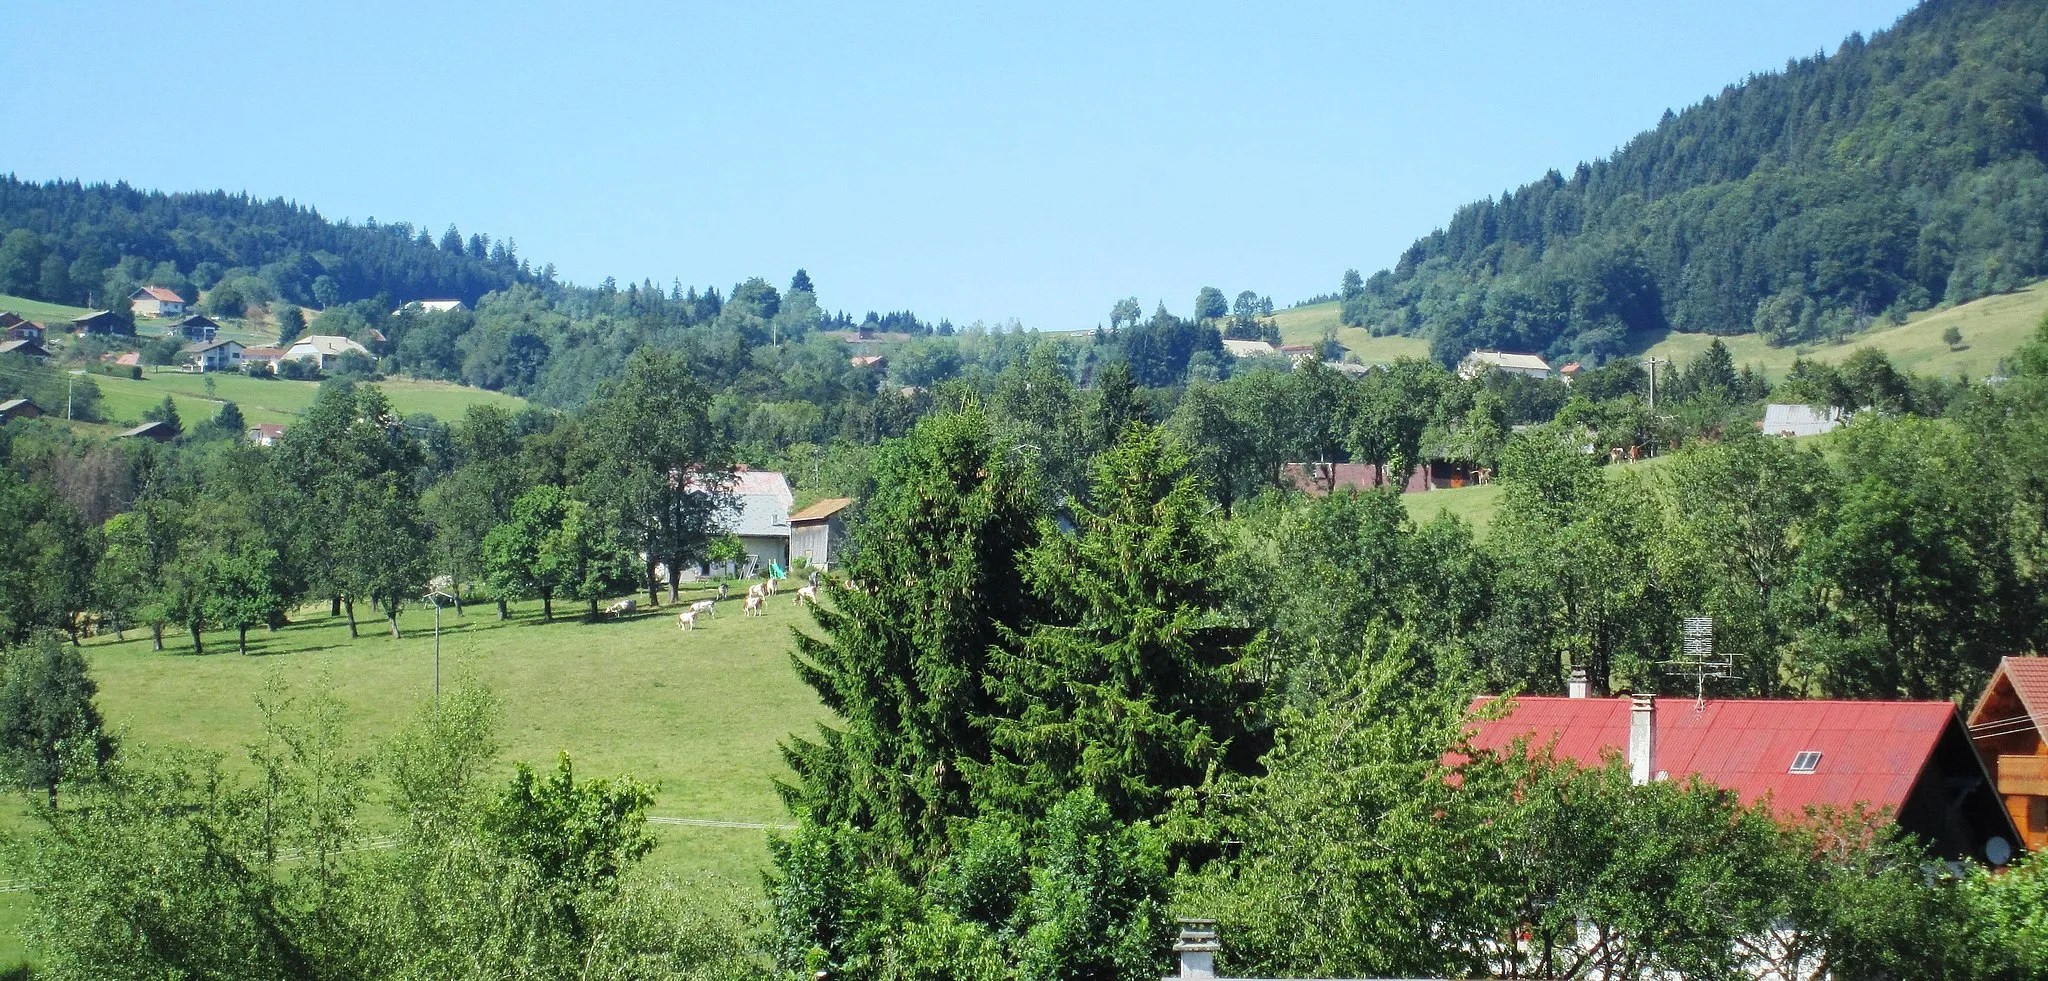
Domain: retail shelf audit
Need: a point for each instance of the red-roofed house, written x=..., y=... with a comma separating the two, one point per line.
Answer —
x=1913, y=759
x=155, y=301
x=2010, y=727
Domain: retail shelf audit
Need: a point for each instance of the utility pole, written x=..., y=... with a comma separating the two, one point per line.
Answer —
x=1652, y=364
x=436, y=597
x=68, y=382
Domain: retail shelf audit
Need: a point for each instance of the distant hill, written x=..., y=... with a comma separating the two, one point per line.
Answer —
x=1901, y=172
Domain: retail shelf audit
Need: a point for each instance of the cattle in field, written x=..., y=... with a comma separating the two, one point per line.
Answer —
x=706, y=607
x=687, y=620
x=757, y=606
x=807, y=594
x=756, y=590
x=771, y=585
x=621, y=608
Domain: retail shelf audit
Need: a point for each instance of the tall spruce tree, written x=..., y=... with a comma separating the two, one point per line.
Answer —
x=1129, y=684
x=903, y=660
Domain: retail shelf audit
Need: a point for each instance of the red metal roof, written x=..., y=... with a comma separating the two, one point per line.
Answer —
x=2029, y=677
x=1870, y=751
x=163, y=295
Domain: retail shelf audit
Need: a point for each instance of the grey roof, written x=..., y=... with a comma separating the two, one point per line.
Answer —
x=1800, y=420
x=761, y=500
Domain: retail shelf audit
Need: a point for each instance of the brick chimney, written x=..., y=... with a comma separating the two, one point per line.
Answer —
x=1197, y=948
x=1642, y=738
x=1580, y=686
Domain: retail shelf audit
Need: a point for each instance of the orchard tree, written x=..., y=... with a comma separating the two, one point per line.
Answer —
x=49, y=727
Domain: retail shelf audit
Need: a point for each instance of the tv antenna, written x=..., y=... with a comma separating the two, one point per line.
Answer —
x=1697, y=658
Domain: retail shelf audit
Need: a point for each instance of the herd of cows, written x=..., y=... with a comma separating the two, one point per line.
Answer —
x=756, y=603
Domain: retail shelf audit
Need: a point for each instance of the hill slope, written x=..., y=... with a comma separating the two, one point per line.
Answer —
x=1901, y=172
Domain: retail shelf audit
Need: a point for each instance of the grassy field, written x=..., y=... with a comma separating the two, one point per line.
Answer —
x=700, y=713
x=276, y=400
x=1305, y=325
x=1992, y=328
x=52, y=314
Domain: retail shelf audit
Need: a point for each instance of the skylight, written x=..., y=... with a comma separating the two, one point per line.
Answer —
x=1806, y=761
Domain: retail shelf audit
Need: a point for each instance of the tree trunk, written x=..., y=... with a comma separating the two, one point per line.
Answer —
x=242, y=639
x=334, y=605
x=675, y=576
x=197, y=647
x=53, y=795
x=653, y=585
x=391, y=612
x=593, y=607
x=455, y=589
x=547, y=607
x=349, y=605
x=501, y=608
x=120, y=632
x=156, y=635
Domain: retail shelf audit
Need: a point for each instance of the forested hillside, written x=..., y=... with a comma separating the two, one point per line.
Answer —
x=1900, y=172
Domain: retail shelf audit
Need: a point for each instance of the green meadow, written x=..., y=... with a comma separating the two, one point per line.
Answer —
x=276, y=399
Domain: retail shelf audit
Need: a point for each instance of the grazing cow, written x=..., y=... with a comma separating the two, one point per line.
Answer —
x=771, y=585
x=721, y=590
x=756, y=590
x=709, y=607
x=622, y=607
x=808, y=594
x=757, y=605
x=687, y=620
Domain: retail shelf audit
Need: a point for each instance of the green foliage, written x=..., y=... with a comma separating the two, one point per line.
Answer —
x=50, y=730
x=578, y=838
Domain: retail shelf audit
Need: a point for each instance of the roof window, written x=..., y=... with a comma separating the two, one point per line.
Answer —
x=1806, y=761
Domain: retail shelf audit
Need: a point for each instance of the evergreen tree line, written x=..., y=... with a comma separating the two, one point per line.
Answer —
x=1900, y=172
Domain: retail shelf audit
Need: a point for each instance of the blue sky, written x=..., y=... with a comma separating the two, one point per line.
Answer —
x=960, y=160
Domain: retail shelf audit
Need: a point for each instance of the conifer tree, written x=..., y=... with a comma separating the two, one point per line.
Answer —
x=903, y=660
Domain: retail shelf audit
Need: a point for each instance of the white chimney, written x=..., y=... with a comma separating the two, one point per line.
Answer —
x=1642, y=738
x=1580, y=687
x=1197, y=948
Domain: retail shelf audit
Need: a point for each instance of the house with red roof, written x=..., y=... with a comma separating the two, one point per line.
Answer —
x=156, y=301
x=2010, y=727
x=1912, y=760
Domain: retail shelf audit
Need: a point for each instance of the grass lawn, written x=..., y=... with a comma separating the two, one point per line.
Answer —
x=700, y=713
x=276, y=400
x=49, y=314
x=1305, y=325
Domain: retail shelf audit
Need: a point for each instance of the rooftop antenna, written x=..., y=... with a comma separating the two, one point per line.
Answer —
x=1697, y=658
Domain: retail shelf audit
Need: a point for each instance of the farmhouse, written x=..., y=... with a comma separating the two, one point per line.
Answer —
x=13, y=409
x=1480, y=362
x=760, y=518
x=872, y=362
x=25, y=348
x=197, y=328
x=14, y=328
x=429, y=306
x=101, y=322
x=1800, y=420
x=321, y=348
x=261, y=357
x=2010, y=727
x=215, y=356
x=1912, y=759
x=1249, y=349
x=162, y=432
x=156, y=301
x=816, y=533
x=266, y=434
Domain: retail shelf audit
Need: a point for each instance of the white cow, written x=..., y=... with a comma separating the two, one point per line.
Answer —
x=622, y=607
x=687, y=620
x=771, y=585
x=807, y=594
x=706, y=607
x=757, y=605
x=756, y=590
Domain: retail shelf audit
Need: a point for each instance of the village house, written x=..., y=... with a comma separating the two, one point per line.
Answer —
x=25, y=348
x=13, y=327
x=215, y=356
x=1248, y=349
x=13, y=409
x=101, y=322
x=196, y=329
x=872, y=362
x=1800, y=420
x=1480, y=362
x=2010, y=727
x=758, y=516
x=266, y=434
x=261, y=357
x=321, y=348
x=156, y=301
x=816, y=533
x=1913, y=761
x=162, y=432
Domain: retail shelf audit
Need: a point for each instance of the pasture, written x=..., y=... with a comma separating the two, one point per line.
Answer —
x=50, y=314
x=276, y=399
x=699, y=713
x=1305, y=325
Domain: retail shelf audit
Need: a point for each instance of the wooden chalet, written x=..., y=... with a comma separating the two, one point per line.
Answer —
x=2009, y=724
x=101, y=322
x=13, y=409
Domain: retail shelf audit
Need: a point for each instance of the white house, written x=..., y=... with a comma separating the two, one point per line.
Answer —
x=1479, y=362
x=759, y=518
x=1800, y=420
x=321, y=348
x=430, y=306
x=215, y=356
x=155, y=301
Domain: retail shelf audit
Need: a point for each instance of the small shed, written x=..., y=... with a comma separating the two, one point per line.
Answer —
x=816, y=533
x=25, y=348
x=162, y=432
x=101, y=322
x=13, y=409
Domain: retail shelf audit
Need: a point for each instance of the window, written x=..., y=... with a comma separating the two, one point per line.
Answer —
x=2037, y=814
x=1806, y=761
